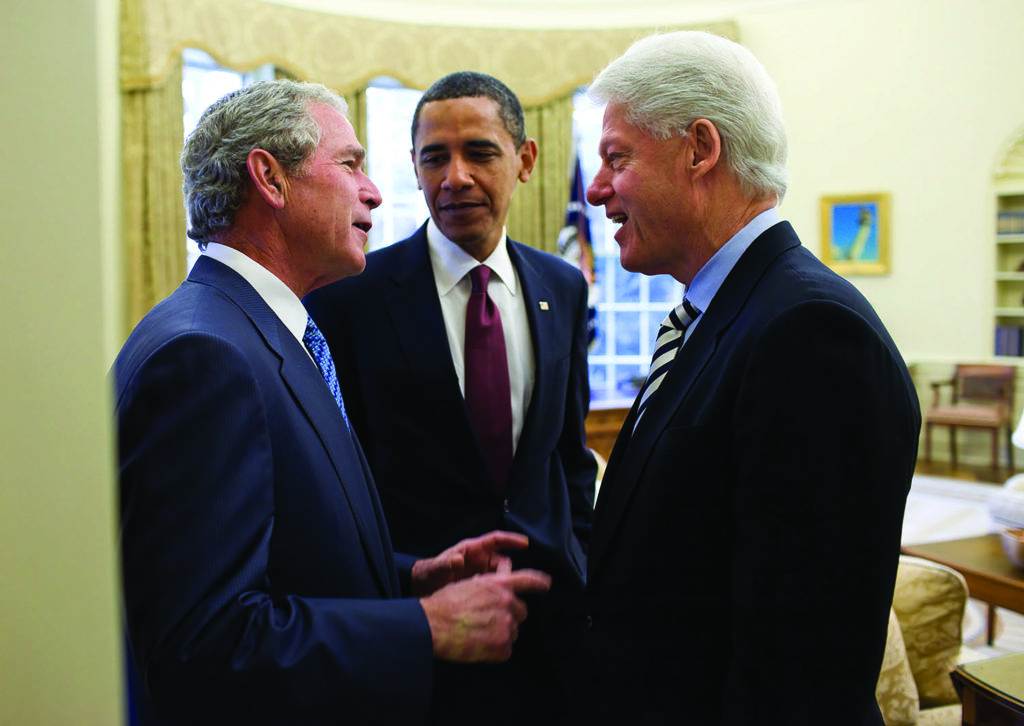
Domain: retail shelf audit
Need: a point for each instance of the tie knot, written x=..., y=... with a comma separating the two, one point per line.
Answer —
x=681, y=315
x=315, y=341
x=479, y=276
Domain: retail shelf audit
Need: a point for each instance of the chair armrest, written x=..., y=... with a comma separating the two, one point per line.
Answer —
x=936, y=389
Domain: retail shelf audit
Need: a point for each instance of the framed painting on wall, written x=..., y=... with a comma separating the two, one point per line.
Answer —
x=855, y=233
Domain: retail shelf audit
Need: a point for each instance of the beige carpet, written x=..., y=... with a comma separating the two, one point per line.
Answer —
x=940, y=509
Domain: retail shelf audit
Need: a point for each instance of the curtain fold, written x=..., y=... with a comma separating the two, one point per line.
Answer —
x=356, y=101
x=153, y=218
x=537, y=212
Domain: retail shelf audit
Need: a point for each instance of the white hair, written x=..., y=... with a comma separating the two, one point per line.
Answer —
x=665, y=82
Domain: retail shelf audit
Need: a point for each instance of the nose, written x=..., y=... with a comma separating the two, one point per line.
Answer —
x=369, y=194
x=457, y=175
x=599, y=190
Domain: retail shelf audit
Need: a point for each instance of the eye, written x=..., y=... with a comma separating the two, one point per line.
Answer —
x=431, y=160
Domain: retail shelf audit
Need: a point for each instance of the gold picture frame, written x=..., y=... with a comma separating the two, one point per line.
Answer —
x=855, y=233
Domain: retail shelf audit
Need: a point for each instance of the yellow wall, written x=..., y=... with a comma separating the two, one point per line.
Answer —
x=59, y=644
x=916, y=98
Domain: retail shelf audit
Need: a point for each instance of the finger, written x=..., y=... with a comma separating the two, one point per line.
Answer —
x=504, y=566
x=517, y=608
x=527, y=581
x=502, y=540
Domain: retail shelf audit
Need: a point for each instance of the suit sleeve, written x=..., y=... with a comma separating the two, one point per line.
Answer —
x=577, y=460
x=206, y=623
x=826, y=429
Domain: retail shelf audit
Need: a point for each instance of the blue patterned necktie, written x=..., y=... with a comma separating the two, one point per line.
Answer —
x=670, y=340
x=317, y=345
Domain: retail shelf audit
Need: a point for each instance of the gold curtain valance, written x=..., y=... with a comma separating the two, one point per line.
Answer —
x=344, y=53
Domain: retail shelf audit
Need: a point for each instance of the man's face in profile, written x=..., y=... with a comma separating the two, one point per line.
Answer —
x=329, y=201
x=644, y=187
x=467, y=165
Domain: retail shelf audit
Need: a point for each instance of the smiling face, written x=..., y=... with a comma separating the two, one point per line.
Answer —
x=467, y=165
x=644, y=186
x=327, y=213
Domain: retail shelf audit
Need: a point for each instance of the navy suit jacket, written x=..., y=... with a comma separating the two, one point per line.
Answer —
x=259, y=580
x=747, y=534
x=387, y=336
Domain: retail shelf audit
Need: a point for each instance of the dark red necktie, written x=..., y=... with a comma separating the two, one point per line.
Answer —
x=488, y=396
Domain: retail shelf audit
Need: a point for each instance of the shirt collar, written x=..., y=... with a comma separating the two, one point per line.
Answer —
x=451, y=263
x=709, y=278
x=285, y=303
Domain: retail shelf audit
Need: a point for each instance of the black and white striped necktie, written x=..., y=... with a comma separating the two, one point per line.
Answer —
x=670, y=340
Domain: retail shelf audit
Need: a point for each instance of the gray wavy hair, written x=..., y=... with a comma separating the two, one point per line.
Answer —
x=269, y=115
x=667, y=81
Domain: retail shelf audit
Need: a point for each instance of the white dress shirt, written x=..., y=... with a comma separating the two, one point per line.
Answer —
x=278, y=296
x=451, y=265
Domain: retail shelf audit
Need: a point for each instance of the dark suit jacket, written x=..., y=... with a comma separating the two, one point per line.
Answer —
x=746, y=535
x=259, y=579
x=387, y=336
x=386, y=332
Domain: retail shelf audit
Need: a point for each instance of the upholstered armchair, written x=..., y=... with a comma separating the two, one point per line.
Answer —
x=923, y=646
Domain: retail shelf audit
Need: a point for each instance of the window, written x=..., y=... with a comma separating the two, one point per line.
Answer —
x=630, y=306
x=389, y=110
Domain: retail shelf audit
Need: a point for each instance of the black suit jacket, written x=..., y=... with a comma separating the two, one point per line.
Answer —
x=746, y=536
x=259, y=581
x=386, y=333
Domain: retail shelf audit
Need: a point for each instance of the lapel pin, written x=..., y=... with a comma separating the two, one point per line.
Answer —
x=543, y=304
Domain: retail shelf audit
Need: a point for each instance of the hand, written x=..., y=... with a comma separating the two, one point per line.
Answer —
x=475, y=556
x=477, y=620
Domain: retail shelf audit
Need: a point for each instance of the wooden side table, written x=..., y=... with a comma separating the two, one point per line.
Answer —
x=992, y=691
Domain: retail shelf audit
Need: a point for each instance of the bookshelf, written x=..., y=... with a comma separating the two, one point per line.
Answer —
x=1009, y=273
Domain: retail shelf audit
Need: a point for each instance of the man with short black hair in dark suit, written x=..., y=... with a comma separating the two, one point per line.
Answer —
x=463, y=360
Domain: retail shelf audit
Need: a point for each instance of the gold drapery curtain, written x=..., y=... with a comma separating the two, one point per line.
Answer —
x=356, y=101
x=345, y=53
x=153, y=218
x=537, y=212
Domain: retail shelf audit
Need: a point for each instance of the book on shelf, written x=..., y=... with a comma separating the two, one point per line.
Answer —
x=1009, y=340
x=1008, y=223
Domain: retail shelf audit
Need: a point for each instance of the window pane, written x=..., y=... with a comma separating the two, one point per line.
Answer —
x=628, y=379
x=627, y=286
x=664, y=288
x=599, y=382
x=389, y=111
x=627, y=333
x=600, y=346
x=654, y=319
x=607, y=270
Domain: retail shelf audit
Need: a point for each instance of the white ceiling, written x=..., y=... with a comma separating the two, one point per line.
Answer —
x=545, y=13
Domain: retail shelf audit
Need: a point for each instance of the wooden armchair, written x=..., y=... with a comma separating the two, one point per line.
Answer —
x=982, y=397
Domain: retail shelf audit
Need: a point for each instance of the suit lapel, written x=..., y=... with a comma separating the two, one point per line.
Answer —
x=542, y=333
x=303, y=380
x=632, y=449
x=415, y=312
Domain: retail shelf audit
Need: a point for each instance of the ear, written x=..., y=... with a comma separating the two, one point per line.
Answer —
x=267, y=177
x=415, y=169
x=527, y=159
x=706, y=145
